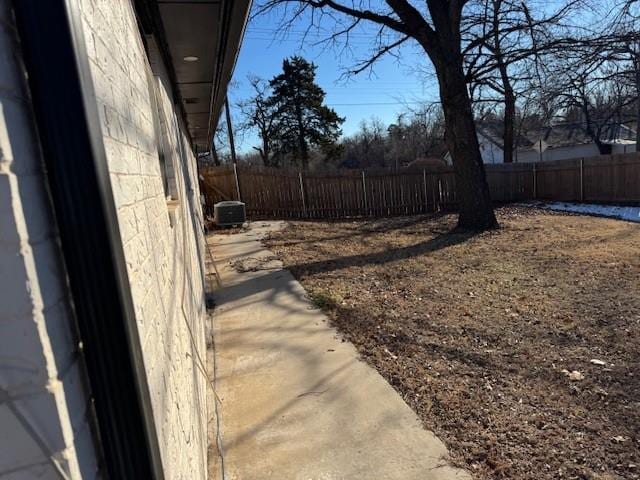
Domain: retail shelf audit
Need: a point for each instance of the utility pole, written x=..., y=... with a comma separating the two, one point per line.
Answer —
x=539, y=150
x=214, y=154
x=232, y=145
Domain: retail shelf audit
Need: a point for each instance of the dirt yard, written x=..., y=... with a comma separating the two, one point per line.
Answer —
x=520, y=348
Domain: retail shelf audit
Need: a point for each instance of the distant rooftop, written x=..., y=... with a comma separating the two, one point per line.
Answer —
x=560, y=135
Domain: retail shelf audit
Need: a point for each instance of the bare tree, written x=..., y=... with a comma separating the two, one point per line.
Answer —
x=591, y=93
x=261, y=115
x=598, y=80
x=437, y=30
x=368, y=147
x=622, y=48
x=503, y=40
x=219, y=143
x=416, y=134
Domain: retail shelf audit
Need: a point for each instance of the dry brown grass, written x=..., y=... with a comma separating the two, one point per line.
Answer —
x=475, y=332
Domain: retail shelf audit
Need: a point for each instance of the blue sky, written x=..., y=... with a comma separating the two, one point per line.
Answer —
x=388, y=90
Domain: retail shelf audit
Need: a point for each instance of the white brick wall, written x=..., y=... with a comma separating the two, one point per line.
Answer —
x=40, y=374
x=162, y=248
x=43, y=406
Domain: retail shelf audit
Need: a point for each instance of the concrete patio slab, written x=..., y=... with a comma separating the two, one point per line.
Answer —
x=295, y=401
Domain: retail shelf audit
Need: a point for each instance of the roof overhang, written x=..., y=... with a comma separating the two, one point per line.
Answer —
x=200, y=40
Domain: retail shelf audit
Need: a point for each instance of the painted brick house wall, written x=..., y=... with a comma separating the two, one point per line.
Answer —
x=44, y=410
x=40, y=370
x=163, y=242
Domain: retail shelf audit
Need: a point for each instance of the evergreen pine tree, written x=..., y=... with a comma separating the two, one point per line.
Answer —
x=303, y=121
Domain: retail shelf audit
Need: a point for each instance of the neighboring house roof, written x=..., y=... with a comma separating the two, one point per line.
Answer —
x=560, y=135
x=493, y=133
x=570, y=134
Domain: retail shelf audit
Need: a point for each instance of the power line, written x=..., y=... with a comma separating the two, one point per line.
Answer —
x=400, y=87
x=398, y=92
x=314, y=33
x=300, y=40
x=413, y=102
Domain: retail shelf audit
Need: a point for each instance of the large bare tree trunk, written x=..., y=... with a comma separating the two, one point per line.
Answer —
x=476, y=210
x=442, y=44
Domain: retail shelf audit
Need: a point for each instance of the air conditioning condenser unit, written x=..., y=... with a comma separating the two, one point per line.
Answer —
x=229, y=213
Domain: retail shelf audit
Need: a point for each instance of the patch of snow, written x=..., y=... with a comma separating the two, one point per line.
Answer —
x=631, y=214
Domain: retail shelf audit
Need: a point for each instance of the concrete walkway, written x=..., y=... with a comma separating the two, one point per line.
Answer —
x=295, y=401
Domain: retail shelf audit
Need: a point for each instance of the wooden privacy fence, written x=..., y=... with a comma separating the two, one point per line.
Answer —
x=287, y=194
x=269, y=192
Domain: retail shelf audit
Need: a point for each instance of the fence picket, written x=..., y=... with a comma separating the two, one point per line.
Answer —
x=269, y=192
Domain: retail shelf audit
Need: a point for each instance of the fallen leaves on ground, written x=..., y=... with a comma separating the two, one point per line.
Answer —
x=474, y=331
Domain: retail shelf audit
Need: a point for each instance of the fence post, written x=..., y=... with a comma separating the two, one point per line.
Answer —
x=424, y=184
x=235, y=174
x=304, y=203
x=535, y=182
x=582, y=179
x=364, y=192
